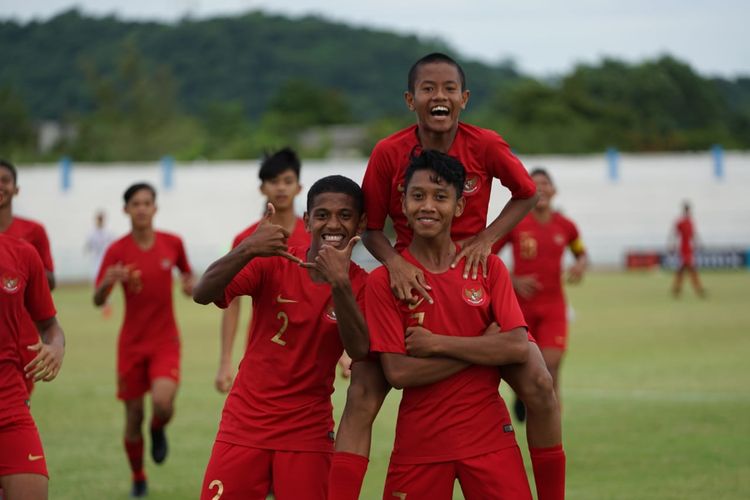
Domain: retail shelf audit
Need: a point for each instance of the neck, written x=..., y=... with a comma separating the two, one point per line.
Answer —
x=435, y=254
x=285, y=218
x=542, y=214
x=6, y=217
x=143, y=234
x=439, y=141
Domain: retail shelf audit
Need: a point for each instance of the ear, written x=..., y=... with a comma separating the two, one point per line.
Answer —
x=409, y=98
x=464, y=98
x=262, y=189
x=306, y=219
x=460, y=205
x=362, y=224
x=299, y=189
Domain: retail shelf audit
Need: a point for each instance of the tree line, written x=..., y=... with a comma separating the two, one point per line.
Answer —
x=231, y=87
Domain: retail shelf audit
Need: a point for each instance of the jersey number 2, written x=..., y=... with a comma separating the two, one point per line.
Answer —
x=285, y=319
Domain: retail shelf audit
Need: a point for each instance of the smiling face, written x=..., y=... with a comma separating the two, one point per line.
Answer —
x=545, y=189
x=430, y=204
x=437, y=98
x=281, y=190
x=141, y=208
x=333, y=220
x=8, y=188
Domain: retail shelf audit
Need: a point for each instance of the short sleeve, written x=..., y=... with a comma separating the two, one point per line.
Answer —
x=182, y=261
x=376, y=187
x=505, y=308
x=384, y=320
x=42, y=246
x=110, y=259
x=248, y=281
x=37, y=297
x=575, y=243
x=505, y=166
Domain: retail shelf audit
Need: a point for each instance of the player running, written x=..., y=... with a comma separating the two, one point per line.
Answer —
x=31, y=232
x=148, y=353
x=279, y=183
x=276, y=430
x=684, y=231
x=24, y=293
x=539, y=242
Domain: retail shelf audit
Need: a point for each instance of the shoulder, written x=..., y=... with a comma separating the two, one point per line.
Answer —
x=403, y=139
x=562, y=220
x=29, y=225
x=479, y=134
x=378, y=275
x=169, y=237
x=17, y=246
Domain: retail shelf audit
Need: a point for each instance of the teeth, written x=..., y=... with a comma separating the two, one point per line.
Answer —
x=332, y=237
x=439, y=109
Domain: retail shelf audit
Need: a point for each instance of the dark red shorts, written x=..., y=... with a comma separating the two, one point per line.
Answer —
x=21, y=449
x=548, y=323
x=241, y=472
x=495, y=476
x=135, y=373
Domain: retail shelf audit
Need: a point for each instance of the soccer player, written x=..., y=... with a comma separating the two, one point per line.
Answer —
x=279, y=183
x=684, y=231
x=97, y=243
x=539, y=242
x=31, y=232
x=276, y=430
x=24, y=292
x=437, y=94
x=452, y=422
x=148, y=354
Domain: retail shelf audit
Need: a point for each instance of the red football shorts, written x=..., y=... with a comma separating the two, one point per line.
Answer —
x=548, y=323
x=495, y=476
x=237, y=472
x=136, y=372
x=21, y=449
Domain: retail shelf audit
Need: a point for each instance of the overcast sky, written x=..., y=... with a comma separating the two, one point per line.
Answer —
x=542, y=37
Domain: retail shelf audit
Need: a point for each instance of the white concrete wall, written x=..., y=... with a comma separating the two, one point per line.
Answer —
x=212, y=201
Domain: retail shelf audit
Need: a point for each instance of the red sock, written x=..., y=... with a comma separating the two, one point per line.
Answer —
x=134, y=450
x=549, y=472
x=158, y=423
x=346, y=476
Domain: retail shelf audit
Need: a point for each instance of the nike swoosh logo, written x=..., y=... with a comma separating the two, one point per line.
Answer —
x=416, y=304
x=282, y=300
x=34, y=458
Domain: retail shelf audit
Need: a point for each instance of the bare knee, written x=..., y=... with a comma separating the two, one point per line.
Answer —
x=163, y=408
x=538, y=390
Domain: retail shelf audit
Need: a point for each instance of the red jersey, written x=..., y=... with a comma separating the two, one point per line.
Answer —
x=149, y=314
x=463, y=415
x=281, y=397
x=34, y=233
x=538, y=249
x=686, y=232
x=24, y=292
x=484, y=155
x=299, y=237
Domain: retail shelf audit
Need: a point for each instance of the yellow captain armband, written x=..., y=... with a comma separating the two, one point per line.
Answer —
x=576, y=246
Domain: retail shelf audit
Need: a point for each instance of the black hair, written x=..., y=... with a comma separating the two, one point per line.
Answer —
x=541, y=171
x=337, y=184
x=446, y=167
x=137, y=187
x=435, y=57
x=12, y=168
x=276, y=163
x=686, y=206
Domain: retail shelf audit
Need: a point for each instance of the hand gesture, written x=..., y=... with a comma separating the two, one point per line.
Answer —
x=117, y=273
x=332, y=263
x=406, y=277
x=187, y=282
x=526, y=286
x=476, y=250
x=269, y=239
x=46, y=365
x=224, y=378
x=420, y=342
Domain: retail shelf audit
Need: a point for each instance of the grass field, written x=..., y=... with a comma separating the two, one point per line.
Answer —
x=655, y=390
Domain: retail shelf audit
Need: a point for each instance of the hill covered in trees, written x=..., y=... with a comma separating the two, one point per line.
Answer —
x=230, y=87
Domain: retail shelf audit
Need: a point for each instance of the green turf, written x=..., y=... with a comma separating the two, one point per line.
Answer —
x=655, y=391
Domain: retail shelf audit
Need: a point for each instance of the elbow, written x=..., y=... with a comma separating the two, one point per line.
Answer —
x=396, y=379
x=201, y=297
x=521, y=351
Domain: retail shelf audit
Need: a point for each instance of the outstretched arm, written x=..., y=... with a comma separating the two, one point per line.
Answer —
x=492, y=348
x=268, y=240
x=404, y=371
